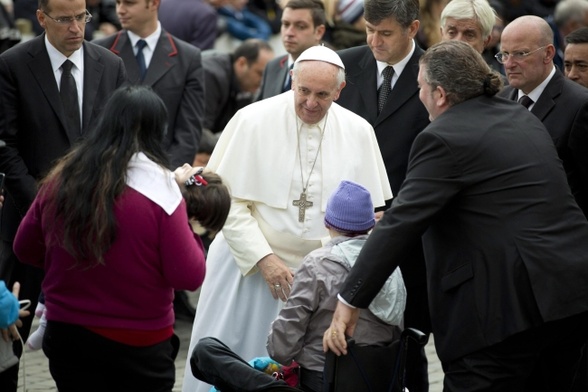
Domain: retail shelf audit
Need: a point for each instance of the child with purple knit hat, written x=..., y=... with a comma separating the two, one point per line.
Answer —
x=297, y=332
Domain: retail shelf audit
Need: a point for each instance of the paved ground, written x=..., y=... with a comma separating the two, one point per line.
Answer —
x=37, y=378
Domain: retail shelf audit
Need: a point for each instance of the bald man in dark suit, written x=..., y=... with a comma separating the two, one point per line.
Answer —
x=528, y=54
x=559, y=103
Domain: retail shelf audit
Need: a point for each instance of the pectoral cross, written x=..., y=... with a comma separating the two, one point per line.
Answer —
x=302, y=205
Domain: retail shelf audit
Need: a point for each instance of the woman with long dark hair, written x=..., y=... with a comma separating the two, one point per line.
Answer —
x=110, y=228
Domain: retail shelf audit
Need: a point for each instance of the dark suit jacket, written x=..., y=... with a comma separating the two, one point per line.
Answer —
x=505, y=241
x=274, y=77
x=175, y=74
x=34, y=126
x=401, y=120
x=563, y=109
x=222, y=90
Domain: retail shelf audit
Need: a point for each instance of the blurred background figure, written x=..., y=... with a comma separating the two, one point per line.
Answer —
x=9, y=34
x=515, y=8
x=193, y=21
x=576, y=56
x=207, y=143
x=241, y=23
x=345, y=26
x=26, y=10
x=104, y=19
x=269, y=10
x=569, y=15
x=430, y=27
x=231, y=80
x=493, y=46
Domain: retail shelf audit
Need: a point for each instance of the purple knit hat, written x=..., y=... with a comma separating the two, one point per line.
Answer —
x=350, y=209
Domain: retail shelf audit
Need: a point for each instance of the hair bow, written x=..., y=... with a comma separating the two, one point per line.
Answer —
x=196, y=179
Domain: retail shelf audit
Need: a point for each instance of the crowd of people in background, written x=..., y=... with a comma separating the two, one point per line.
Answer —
x=259, y=110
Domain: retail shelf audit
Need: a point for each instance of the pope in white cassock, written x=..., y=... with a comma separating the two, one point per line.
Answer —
x=281, y=159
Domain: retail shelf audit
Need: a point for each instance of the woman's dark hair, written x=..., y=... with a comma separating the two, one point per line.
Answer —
x=83, y=187
x=208, y=204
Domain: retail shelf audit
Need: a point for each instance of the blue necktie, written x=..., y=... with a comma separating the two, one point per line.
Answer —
x=141, y=58
x=288, y=83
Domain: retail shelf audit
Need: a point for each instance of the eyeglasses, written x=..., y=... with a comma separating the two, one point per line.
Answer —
x=66, y=20
x=516, y=56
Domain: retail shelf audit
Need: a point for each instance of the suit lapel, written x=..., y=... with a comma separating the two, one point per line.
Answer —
x=165, y=57
x=93, y=69
x=366, y=75
x=546, y=100
x=405, y=87
x=42, y=71
x=121, y=46
x=281, y=73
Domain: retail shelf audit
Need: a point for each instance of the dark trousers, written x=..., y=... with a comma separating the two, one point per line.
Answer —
x=30, y=278
x=310, y=380
x=81, y=360
x=541, y=359
x=216, y=364
x=581, y=380
x=416, y=315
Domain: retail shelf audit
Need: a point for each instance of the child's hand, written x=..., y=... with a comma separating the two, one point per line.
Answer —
x=184, y=172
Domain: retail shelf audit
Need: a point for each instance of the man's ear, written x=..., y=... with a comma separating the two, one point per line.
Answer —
x=338, y=93
x=155, y=3
x=441, y=99
x=320, y=31
x=487, y=41
x=41, y=18
x=239, y=65
x=549, y=53
x=413, y=28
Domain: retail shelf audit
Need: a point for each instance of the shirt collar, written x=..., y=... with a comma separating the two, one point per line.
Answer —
x=57, y=58
x=150, y=39
x=399, y=66
x=537, y=91
x=155, y=182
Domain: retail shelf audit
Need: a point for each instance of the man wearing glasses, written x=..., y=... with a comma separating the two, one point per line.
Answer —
x=52, y=88
x=527, y=53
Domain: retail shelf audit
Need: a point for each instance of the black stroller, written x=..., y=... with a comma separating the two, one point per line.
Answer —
x=364, y=368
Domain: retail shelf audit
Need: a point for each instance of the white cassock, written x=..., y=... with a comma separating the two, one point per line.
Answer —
x=259, y=157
